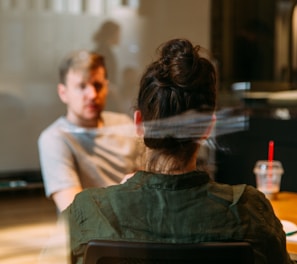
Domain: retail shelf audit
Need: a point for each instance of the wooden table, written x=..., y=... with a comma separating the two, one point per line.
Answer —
x=285, y=208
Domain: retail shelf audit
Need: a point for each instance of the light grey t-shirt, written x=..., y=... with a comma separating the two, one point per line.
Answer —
x=75, y=156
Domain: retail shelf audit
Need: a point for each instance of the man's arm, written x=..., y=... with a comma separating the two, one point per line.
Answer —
x=60, y=176
x=65, y=197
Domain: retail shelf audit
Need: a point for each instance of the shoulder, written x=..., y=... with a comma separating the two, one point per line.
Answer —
x=89, y=200
x=99, y=196
x=246, y=201
x=253, y=199
x=54, y=132
x=241, y=196
x=50, y=129
x=226, y=192
x=254, y=204
x=56, y=125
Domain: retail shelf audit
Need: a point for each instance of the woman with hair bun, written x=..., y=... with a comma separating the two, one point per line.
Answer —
x=171, y=200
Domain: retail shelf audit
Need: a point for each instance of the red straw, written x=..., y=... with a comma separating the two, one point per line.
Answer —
x=270, y=159
x=271, y=151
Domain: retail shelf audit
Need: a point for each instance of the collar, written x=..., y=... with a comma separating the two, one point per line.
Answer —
x=170, y=182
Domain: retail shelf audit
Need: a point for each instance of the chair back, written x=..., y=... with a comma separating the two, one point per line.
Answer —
x=120, y=252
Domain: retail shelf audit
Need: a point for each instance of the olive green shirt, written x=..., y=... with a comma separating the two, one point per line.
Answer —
x=186, y=208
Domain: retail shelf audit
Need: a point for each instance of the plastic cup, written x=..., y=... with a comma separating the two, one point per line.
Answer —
x=268, y=177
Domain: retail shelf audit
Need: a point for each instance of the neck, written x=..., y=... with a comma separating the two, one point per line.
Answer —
x=171, y=165
x=93, y=123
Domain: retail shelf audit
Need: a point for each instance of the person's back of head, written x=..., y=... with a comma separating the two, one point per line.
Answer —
x=179, y=81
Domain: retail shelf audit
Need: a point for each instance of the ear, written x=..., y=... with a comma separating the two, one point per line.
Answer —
x=62, y=92
x=138, y=123
x=210, y=127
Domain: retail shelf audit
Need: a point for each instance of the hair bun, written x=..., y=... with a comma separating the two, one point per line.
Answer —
x=178, y=61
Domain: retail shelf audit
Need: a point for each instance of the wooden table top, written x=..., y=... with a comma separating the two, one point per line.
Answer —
x=285, y=208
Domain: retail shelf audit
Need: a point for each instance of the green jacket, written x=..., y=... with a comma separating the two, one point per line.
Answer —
x=184, y=208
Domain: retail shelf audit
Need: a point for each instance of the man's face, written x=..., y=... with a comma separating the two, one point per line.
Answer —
x=85, y=96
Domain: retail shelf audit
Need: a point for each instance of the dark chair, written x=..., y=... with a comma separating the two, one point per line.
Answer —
x=120, y=252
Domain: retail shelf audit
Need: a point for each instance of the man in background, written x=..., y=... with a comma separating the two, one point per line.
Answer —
x=88, y=147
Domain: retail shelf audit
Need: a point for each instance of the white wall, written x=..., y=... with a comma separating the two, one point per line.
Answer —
x=36, y=34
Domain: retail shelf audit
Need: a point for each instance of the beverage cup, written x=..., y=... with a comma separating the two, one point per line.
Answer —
x=268, y=177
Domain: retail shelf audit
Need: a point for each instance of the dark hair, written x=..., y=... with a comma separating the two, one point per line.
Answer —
x=80, y=60
x=180, y=80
